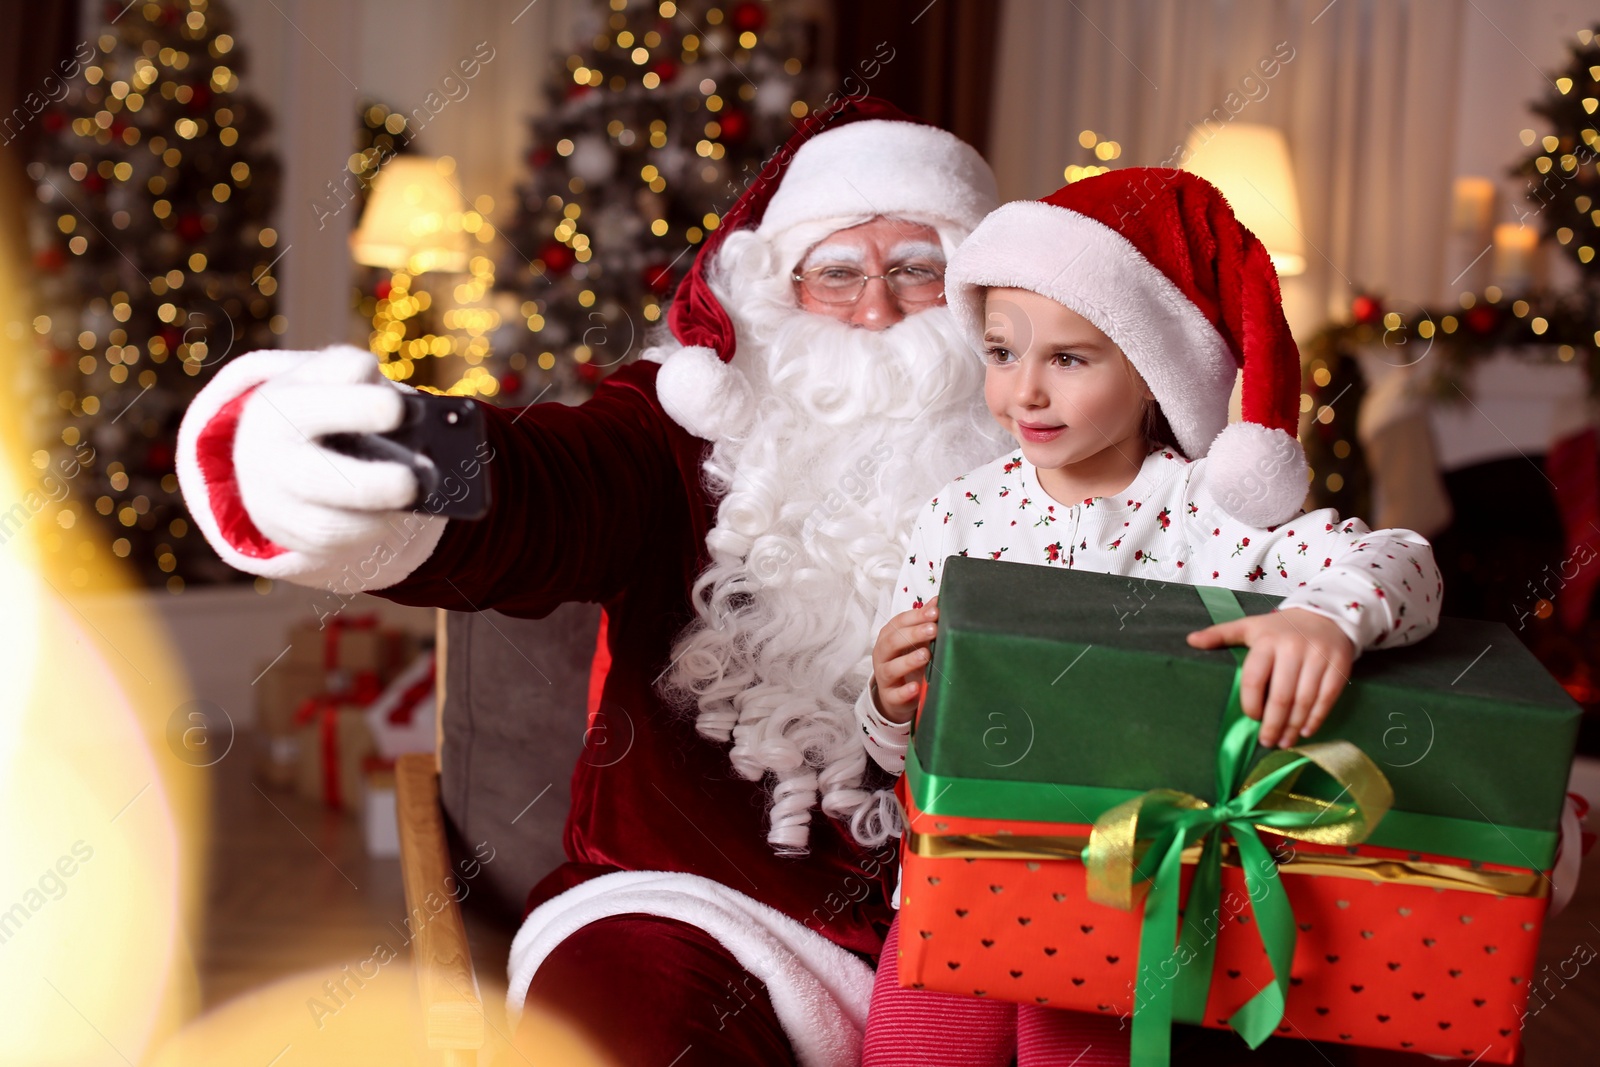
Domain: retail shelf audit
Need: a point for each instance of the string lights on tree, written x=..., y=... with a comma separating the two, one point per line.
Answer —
x=154, y=260
x=657, y=123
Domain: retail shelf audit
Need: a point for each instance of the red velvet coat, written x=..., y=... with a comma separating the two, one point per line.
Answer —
x=604, y=502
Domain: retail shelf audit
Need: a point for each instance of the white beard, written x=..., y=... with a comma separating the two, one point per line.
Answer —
x=855, y=430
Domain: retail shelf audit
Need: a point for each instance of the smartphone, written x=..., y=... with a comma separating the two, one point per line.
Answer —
x=443, y=440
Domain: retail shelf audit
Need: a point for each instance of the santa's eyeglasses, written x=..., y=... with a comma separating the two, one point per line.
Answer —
x=836, y=284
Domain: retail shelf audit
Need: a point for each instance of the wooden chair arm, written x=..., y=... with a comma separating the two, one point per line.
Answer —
x=452, y=1006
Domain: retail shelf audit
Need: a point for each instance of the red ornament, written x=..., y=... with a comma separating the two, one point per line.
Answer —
x=666, y=70
x=93, y=182
x=159, y=456
x=383, y=289
x=588, y=372
x=735, y=126
x=510, y=383
x=749, y=16
x=657, y=277
x=54, y=121
x=574, y=91
x=1366, y=310
x=201, y=97
x=558, y=258
x=171, y=337
x=49, y=259
x=539, y=158
x=190, y=227
x=1482, y=319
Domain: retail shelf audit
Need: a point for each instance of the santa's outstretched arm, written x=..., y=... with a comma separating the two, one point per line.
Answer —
x=579, y=495
x=274, y=501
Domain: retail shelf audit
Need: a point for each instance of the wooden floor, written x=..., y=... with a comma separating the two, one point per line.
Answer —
x=1567, y=1030
x=292, y=890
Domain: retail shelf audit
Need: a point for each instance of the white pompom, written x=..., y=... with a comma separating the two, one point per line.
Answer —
x=709, y=398
x=1258, y=474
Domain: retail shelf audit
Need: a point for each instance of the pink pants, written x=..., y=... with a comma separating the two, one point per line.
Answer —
x=919, y=1028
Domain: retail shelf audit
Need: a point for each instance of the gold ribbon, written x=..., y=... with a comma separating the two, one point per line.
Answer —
x=1040, y=848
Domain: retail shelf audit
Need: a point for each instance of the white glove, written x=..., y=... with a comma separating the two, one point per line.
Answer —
x=301, y=494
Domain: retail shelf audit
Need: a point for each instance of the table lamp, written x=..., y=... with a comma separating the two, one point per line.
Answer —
x=1249, y=163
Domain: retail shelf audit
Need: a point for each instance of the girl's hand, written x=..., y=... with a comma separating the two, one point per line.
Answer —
x=1305, y=655
x=899, y=657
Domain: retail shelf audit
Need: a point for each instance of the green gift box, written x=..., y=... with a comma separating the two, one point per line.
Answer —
x=1042, y=678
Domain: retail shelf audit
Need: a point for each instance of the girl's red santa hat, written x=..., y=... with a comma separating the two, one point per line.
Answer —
x=1156, y=260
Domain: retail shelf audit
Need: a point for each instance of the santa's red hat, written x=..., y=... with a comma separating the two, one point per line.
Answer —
x=846, y=164
x=859, y=158
x=1157, y=261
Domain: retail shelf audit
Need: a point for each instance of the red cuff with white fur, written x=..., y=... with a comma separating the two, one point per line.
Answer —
x=214, y=452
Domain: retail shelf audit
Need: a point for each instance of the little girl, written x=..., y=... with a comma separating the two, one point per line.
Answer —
x=1113, y=317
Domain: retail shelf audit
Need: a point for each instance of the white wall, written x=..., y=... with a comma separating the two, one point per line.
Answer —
x=223, y=636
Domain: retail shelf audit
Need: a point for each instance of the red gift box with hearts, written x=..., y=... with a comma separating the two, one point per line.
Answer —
x=1091, y=826
x=1398, y=950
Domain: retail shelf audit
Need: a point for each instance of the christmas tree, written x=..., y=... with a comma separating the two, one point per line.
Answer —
x=155, y=261
x=658, y=122
x=1563, y=170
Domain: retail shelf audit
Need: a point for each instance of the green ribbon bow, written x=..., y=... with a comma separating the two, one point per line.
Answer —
x=1141, y=841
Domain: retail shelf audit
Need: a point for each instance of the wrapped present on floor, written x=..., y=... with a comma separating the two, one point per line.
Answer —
x=278, y=760
x=353, y=645
x=1092, y=826
x=379, y=823
x=401, y=720
x=334, y=742
x=281, y=688
x=404, y=717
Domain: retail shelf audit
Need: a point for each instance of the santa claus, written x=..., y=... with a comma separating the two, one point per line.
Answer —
x=738, y=500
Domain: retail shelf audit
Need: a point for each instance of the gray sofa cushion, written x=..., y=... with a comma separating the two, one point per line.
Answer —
x=514, y=718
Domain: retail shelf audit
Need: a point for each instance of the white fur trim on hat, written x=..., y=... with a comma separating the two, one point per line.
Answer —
x=882, y=167
x=791, y=246
x=1089, y=267
x=698, y=391
x=1257, y=474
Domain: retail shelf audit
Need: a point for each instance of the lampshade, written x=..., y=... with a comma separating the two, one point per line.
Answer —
x=412, y=219
x=1249, y=163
